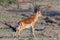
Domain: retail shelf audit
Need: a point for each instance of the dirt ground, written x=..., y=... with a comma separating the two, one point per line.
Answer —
x=43, y=30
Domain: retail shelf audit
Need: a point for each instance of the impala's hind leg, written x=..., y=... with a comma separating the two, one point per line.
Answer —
x=19, y=30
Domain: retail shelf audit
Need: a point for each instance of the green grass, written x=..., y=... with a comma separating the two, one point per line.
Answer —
x=21, y=39
x=5, y=30
x=44, y=38
x=9, y=32
x=10, y=16
x=30, y=38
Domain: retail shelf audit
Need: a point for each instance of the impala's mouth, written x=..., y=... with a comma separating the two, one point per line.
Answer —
x=42, y=16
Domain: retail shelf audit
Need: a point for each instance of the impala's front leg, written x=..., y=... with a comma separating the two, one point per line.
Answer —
x=33, y=30
x=20, y=29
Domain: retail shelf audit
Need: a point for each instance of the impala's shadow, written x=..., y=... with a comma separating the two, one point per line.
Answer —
x=10, y=26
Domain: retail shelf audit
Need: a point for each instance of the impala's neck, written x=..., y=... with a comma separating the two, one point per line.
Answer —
x=36, y=17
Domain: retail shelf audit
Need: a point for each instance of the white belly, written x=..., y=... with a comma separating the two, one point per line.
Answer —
x=28, y=26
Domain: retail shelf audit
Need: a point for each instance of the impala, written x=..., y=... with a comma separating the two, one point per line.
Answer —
x=28, y=22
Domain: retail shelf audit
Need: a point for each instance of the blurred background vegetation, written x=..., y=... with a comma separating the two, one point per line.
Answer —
x=10, y=3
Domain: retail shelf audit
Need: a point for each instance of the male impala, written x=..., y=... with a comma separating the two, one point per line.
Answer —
x=29, y=22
